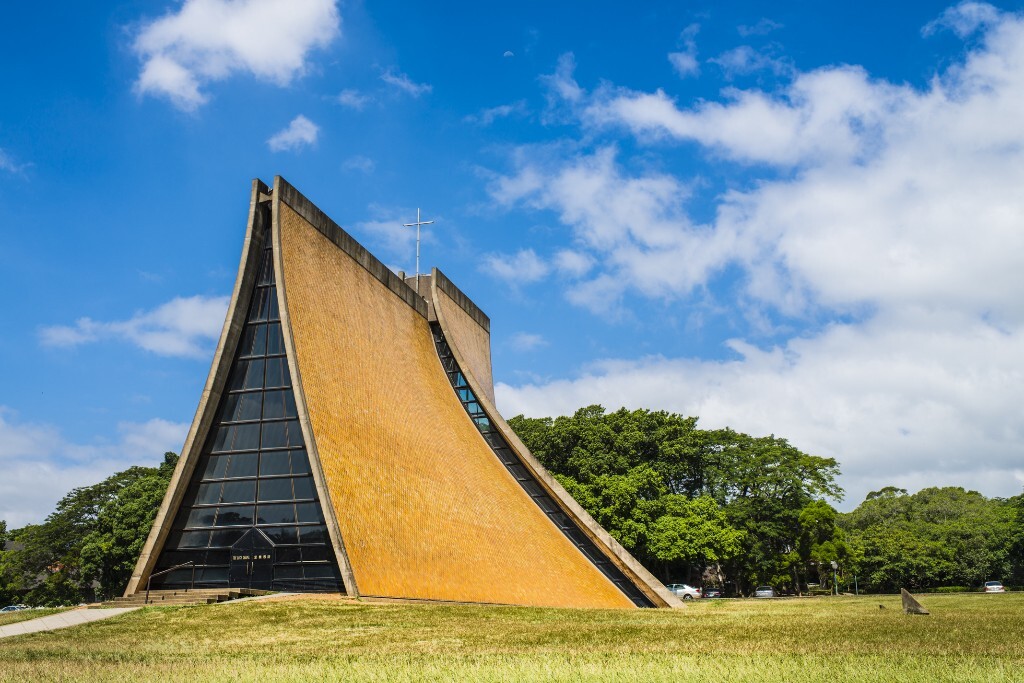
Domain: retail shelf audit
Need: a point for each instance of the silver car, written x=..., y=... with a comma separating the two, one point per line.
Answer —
x=684, y=591
x=994, y=587
x=765, y=592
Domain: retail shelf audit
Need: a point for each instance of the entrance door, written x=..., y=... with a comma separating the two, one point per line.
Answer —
x=252, y=561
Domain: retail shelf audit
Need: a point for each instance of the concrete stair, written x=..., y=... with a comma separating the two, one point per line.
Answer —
x=196, y=596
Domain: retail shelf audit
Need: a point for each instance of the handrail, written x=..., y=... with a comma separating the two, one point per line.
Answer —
x=166, y=571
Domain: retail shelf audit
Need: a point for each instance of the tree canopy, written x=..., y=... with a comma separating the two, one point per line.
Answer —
x=685, y=500
x=87, y=547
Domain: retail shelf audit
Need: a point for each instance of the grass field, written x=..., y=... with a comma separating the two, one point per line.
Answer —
x=824, y=640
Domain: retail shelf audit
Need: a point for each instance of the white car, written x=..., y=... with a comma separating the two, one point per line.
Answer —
x=765, y=592
x=684, y=591
x=994, y=587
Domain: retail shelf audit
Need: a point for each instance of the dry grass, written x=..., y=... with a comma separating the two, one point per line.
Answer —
x=967, y=638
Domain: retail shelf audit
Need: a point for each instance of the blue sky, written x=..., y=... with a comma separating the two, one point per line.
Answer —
x=799, y=219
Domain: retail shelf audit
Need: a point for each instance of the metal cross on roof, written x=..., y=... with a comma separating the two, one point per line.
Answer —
x=418, y=223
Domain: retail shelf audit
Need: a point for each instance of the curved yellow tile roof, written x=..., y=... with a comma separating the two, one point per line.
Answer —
x=424, y=507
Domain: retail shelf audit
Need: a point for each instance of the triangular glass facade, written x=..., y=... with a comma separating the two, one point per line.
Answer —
x=253, y=473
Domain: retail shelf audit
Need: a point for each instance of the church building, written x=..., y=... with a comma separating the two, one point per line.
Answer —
x=347, y=440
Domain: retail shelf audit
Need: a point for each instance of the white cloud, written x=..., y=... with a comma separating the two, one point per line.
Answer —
x=402, y=82
x=488, y=116
x=359, y=163
x=636, y=227
x=892, y=210
x=936, y=401
x=964, y=19
x=573, y=263
x=203, y=41
x=184, y=326
x=7, y=162
x=685, y=62
x=523, y=267
x=525, y=341
x=387, y=234
x=744, y=59
x=40, y=465
x=761, y=28
x=301, y=132
x=353, y=99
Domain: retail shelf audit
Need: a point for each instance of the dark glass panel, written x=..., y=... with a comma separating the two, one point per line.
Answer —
x=260, y=305
x=195, y=539
x=277, y=373
x=240, y=437
x=313, y=534
x=561, y=520
x=175, y=557
x=318, y=571
x=300, y=462
x=304, y=488
x=281, y=434
x=201, y=517
x=275, y=342
x=288, y=572
x=309, y=512
x=286, y=554
x=518, y=471
x=273, y=312
x=212, y=575
x=275, y=462
x=235, y=515
x=282, y=534
x=276, y=489
x=218, y=556
x=267, y=268
x=276, y=514
x=533, y=488
x=208, y=494
x=240, y=407
x=254, y=341
x=546, y=504
x=239, y=491
x=592, y=553
x=243, y=465
x=216, y=466
x=315, y=553
x=278, y=404
x=577, y=536
x=248, y=374
x=179, y=576
x=224, y=538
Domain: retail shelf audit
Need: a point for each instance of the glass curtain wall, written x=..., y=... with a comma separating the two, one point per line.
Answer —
x=253, y=473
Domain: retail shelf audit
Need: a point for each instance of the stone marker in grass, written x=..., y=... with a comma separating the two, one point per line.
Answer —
x=911, y=605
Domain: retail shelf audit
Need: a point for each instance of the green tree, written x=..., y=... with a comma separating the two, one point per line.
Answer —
x=936, y=537
x=87, y=540
x=624, y=468
x=110, y=550
x=693, y=532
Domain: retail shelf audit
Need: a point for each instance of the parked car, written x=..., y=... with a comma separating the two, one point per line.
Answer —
x=684, y=591
x=765, y=592
x=994, y=587
x=14, y=608
x=711, y=592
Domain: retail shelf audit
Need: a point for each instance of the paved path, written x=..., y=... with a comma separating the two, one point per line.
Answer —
x=63, y=620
